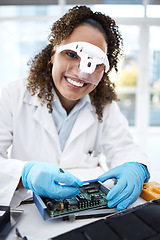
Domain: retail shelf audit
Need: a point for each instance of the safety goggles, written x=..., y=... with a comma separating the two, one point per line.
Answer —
x=86, y=59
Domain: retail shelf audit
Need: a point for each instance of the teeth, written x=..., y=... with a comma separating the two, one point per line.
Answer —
x=77, y=84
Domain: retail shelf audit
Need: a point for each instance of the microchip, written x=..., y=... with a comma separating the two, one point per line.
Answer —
x=98, y=197
x=92, y=191
x=89, y=188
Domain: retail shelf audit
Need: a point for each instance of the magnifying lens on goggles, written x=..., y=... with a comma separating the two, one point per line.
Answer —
x=93, y=61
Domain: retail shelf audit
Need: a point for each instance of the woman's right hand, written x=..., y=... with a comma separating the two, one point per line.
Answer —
x=48, y=180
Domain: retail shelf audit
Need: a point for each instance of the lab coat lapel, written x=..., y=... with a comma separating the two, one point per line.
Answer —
x=42, y=116
x=84, y=120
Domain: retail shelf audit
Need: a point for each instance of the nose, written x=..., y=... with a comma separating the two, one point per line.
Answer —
x=81, y=73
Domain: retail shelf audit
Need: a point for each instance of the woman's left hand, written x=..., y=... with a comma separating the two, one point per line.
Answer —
x=130, y=178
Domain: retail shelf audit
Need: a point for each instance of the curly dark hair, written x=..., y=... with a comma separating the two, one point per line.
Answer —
x=40, y=80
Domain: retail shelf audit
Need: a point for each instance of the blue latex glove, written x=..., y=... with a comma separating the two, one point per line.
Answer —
x=44, y=179
x=130, y=178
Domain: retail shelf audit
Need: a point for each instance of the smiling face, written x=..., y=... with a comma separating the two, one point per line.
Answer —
x=70, y=83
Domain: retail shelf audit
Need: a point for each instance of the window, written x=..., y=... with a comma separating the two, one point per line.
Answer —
x=24, y=32
x=126, y=81
x=20, y=41
x=154, y=116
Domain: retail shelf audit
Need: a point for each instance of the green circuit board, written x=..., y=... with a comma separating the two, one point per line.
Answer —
x=91, y=196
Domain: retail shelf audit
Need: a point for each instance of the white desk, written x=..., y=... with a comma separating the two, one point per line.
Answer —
x=34, y=227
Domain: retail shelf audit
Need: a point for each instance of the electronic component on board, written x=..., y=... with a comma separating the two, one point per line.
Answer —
x=92, y=191
x=61, y=206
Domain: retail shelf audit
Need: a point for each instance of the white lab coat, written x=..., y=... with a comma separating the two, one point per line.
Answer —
x=29, y=128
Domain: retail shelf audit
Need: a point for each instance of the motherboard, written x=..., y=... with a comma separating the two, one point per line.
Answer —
x=90, y=196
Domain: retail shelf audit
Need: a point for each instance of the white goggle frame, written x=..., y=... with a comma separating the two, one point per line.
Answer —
x=90, y=55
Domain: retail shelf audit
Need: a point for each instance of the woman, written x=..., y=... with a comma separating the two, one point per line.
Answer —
x=65, y=114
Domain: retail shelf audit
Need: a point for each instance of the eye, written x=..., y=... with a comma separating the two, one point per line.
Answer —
x=72, y=54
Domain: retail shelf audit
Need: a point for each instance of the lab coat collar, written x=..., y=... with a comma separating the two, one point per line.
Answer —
x=84, y=120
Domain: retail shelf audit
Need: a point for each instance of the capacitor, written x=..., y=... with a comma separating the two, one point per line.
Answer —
x=49, y=204
x=61, y=205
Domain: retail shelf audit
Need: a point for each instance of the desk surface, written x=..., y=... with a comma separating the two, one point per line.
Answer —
x=34, y=227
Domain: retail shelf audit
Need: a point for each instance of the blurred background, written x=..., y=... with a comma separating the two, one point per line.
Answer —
x=24, y=29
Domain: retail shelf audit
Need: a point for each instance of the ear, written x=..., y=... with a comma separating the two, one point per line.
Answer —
x=52, y=56
x=52, y=59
